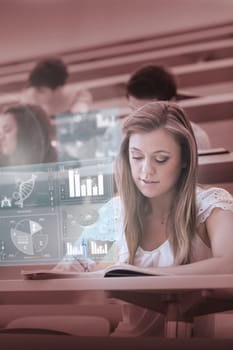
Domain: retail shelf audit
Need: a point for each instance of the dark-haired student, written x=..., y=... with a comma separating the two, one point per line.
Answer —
x=47, y=87
x=25, y=136
x=153, y=83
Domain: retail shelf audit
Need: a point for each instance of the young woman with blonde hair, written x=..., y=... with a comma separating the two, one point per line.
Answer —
x=166, y=220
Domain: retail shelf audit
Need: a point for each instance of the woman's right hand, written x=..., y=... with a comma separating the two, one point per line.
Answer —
x=76, y=265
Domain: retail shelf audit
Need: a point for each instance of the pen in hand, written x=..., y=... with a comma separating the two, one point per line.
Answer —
x=75, y=263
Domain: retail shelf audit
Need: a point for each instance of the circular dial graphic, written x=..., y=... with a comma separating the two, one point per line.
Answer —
x=28, y=237
x=87, y=217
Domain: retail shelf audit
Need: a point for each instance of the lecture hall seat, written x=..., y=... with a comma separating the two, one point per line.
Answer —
x=69, y=325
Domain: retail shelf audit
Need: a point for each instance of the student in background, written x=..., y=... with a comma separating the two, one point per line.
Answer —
x=151, y=83
x=25, y=136
x=48, y=88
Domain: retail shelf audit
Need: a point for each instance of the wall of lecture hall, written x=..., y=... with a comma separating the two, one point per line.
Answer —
x=45, y=27
x=30, y=28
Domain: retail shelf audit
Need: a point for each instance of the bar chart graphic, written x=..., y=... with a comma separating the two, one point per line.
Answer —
x=80, y=186
x=75, y=250
x=97, y=248
x=93, y=249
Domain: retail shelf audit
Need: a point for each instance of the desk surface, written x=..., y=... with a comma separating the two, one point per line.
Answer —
x=147, y=283
x=192, y=295
x=215, y=168
x=46, y=341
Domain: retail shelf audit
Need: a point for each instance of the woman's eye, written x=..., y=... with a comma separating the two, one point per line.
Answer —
x=136, y=157
x=161, y=160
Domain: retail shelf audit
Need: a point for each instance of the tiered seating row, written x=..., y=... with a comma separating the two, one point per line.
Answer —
x=171, y=39
x=175, y=56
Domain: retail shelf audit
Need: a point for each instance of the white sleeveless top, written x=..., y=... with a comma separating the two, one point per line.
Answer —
x=137, y=321
x=207, y=200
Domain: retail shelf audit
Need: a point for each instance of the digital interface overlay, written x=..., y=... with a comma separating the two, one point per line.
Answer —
x=90, y=135
x=50, y=212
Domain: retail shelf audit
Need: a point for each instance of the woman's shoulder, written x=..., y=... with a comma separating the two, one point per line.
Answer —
x=209, y=198
x=205, y=192
x=112, y=208
x=110, y=215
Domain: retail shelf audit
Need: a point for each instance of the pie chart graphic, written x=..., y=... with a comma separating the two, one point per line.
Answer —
x=28, y=237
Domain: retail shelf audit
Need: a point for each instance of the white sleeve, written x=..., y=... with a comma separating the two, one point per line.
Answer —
x=208, y=199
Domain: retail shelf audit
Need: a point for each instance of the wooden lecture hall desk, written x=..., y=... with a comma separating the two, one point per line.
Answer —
x=179, y=298
x=215, y=168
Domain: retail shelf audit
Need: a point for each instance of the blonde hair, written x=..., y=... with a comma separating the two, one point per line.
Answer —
x=172, y=119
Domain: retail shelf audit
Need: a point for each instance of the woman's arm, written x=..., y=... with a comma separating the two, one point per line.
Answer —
x=220, y=231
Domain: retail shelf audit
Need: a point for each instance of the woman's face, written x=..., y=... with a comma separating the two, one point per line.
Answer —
x=8, y=134
x=155, y=161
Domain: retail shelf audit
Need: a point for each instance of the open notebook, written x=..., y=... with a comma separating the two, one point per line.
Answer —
x=122, y=270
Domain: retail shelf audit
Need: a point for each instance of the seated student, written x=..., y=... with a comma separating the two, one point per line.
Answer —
x=25, y=136
x=156, y=83
x=166, y=221
x=157, y=168
x=47, y=88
